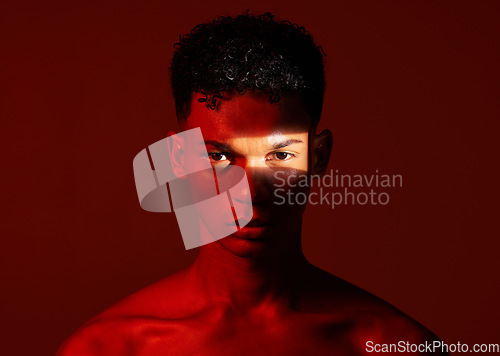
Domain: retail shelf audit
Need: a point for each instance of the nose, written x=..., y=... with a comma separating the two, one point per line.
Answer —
x=258, y=182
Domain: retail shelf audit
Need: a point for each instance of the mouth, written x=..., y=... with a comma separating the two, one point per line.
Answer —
x=243, y=221
x=255, y=230
x=257, y=223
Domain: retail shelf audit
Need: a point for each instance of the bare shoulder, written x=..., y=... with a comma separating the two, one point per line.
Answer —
x=169, y=298
x=101, y=337
x=371, y=320
x=152, y=313
x=387, y=325
x=389, y=330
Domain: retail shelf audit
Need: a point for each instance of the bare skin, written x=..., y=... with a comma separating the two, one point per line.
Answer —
x=253, y=292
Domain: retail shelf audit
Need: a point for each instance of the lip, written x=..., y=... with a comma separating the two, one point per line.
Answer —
x=254, y=230
x=256, y=223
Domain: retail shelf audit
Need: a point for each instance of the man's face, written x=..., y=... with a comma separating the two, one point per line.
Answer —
x=262, y=138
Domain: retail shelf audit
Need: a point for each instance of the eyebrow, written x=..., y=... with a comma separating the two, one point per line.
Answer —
x=276, y=146
x=218, y=145
x=286, y=143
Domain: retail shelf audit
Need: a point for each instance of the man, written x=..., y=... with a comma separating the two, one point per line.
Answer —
x=254, y=86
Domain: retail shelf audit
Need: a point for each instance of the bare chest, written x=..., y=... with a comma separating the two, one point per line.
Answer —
x=295, y=336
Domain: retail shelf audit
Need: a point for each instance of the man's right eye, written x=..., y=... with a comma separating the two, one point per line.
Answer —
x=217, y=156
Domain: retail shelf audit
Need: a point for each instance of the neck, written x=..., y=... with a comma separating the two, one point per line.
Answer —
x=246, y=283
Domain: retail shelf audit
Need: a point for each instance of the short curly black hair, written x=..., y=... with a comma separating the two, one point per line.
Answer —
x=247, y=52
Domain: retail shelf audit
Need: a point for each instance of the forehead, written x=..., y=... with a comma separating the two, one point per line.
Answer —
x=249, y=115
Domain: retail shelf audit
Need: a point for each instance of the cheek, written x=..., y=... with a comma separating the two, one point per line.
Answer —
x=302, y=162
x=290, y=190
x=202, y=185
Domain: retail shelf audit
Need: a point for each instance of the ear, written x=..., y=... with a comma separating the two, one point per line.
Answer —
x=321, y=149
x=176, y=152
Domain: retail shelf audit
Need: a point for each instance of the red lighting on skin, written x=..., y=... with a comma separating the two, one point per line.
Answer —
x=252, y=292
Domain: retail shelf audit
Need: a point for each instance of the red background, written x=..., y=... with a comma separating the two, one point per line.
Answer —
x=412, y=90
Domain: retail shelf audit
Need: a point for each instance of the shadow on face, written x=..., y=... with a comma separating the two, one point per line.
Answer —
x=268, y=144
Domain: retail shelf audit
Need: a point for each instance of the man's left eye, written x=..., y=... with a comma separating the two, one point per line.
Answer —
x=281, y=156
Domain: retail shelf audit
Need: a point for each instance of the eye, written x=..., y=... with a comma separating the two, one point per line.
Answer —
x=220, y=157
x=280, y=156
x=217, y=156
